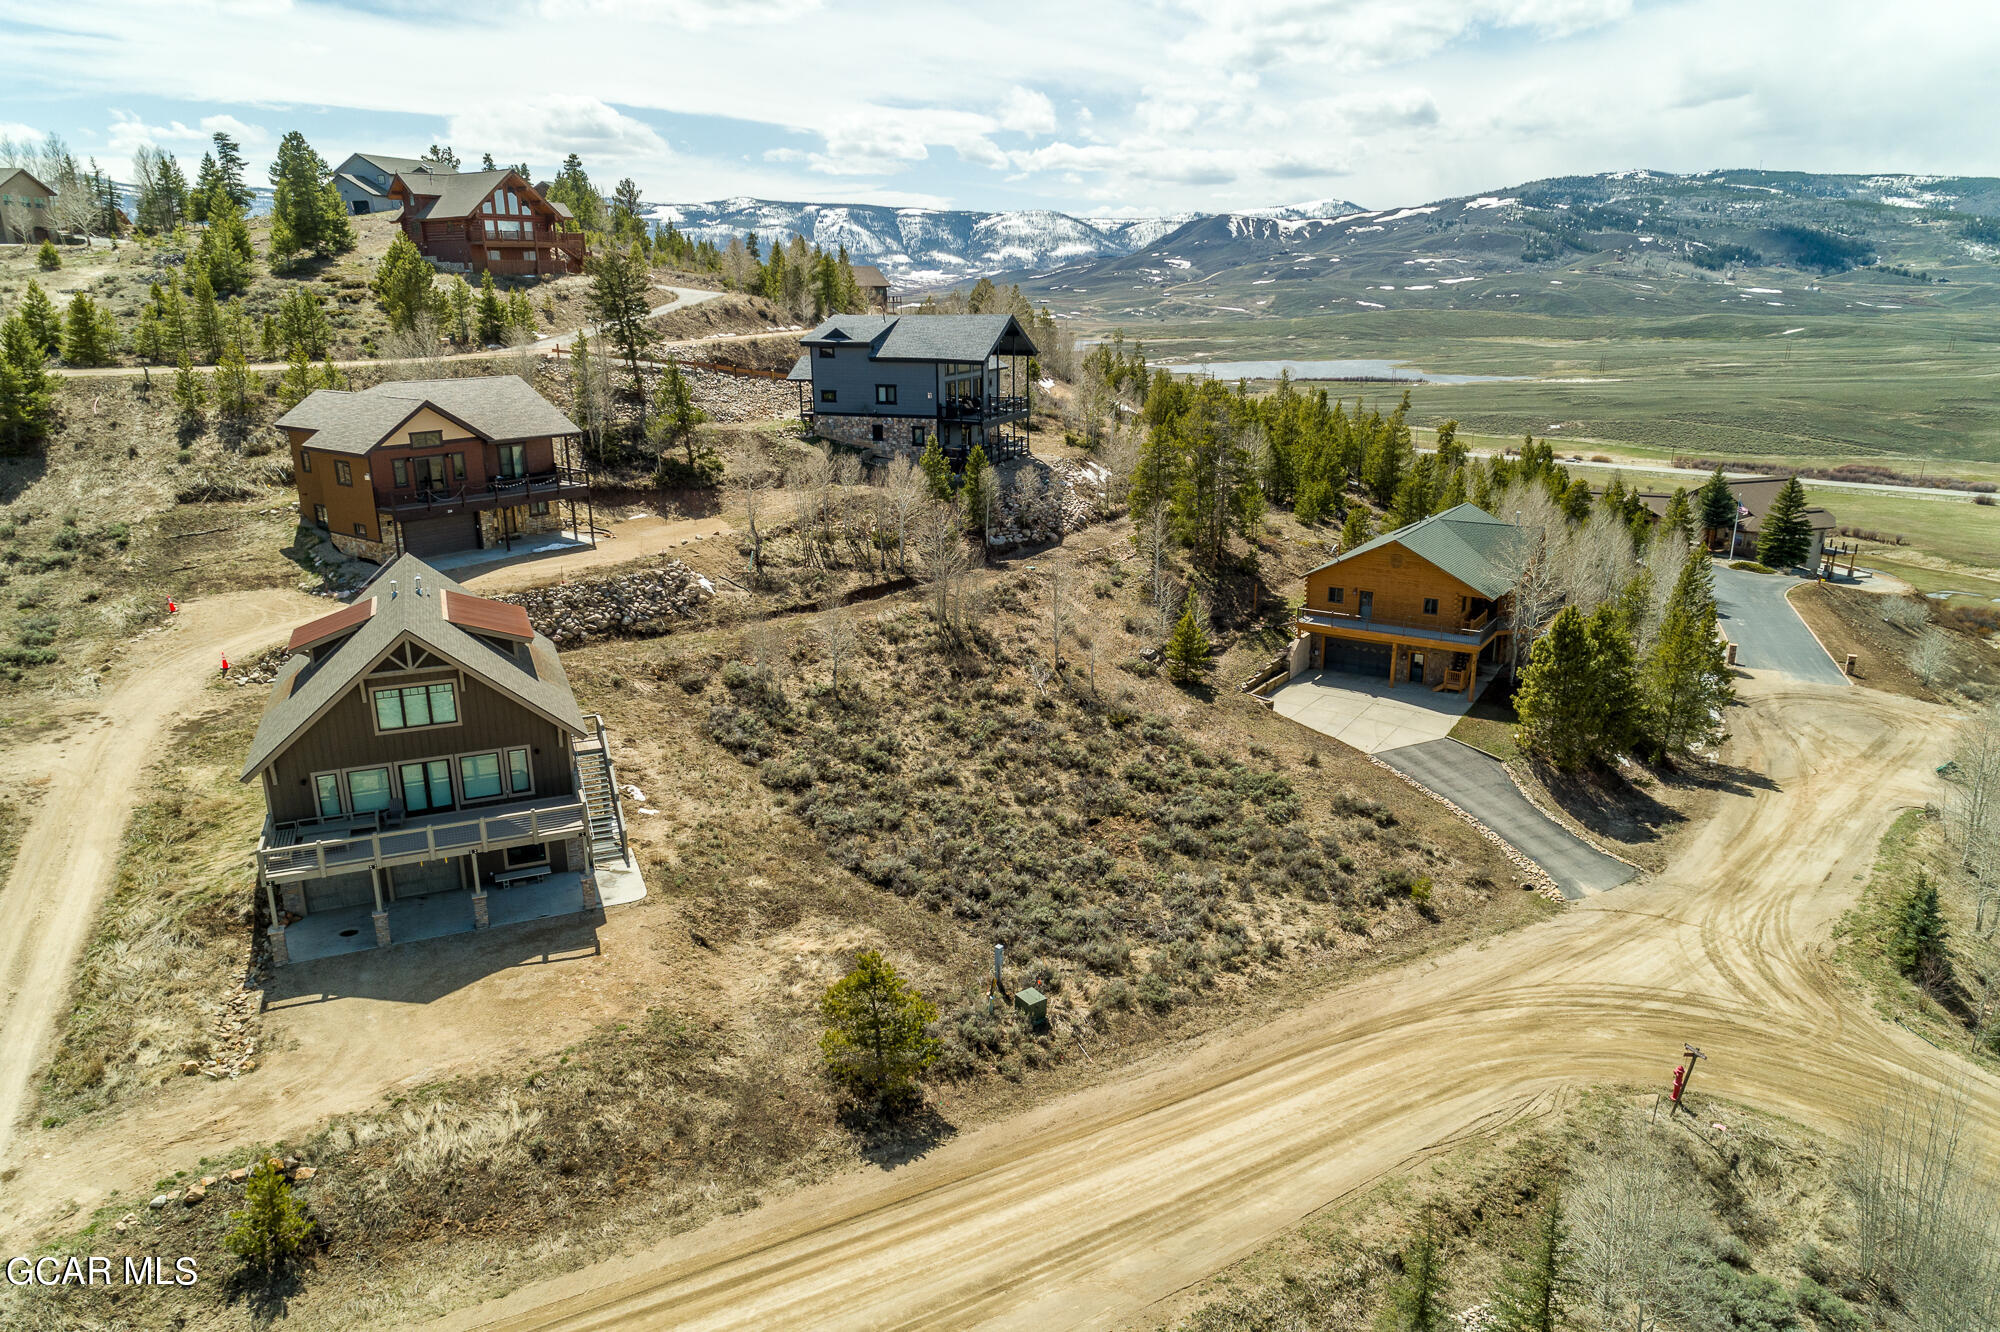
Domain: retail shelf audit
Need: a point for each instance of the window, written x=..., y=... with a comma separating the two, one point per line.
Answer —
x=426, y=785
x=536, y=853
x=520, y=778
x=513, y=460
x=458, y=467
x=361, y=529
x=343, y=472
x=368, y=790
x=487, y=208
x=829, y=395
x=826, y=353
x=885, y=395
x=326, y=787
x=305, y=460
x=538, y=508
x=479, y=776
x=415, y=705
x=319, y=516
x=402, y=473
x=917, y=436
x=875, y=432
x=1337, y=595
x=426, y=439
x=493, y=256
x=1430, y=605
x=429, y=471
x=529, y=256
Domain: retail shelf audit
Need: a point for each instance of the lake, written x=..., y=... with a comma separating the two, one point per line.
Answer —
x=1361, y=370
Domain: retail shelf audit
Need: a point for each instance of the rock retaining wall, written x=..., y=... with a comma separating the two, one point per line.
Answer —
x=571, y=613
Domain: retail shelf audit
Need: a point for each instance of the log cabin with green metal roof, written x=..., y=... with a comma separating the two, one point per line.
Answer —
x=1426, y=605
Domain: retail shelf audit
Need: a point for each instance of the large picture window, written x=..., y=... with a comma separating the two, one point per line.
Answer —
x=368, y=789
x=513, y=460
x=416, y=705
x=427, y=785
x=479, y=776
x=426, y=439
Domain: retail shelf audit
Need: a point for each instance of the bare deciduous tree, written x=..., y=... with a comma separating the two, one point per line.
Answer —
x=837, y=638
x=1975, y=799
x=1539, y=579
x=1627, y=1214
x=903, y=488
x=941, y=536
x=1929, y=656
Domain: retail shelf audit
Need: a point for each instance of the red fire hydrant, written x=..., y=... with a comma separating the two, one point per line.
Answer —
x=1680, y=1076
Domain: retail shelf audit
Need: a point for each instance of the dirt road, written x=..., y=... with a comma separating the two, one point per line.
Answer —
x=66, y=857
x=1093, y=1208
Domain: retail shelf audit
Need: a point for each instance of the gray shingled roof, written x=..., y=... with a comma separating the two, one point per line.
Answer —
x=305, y=689
x=802, y=370
x=502, y=408
x=925, y=337
x=395, y=166
x=459, y=193
x=867, y=275
x=1466, y=542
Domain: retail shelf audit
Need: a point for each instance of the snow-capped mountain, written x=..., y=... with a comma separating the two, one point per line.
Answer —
x=925, y=247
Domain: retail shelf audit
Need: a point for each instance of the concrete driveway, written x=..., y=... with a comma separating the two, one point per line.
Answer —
x=1479, y=784
x=1365, y=712
x=1768, y=633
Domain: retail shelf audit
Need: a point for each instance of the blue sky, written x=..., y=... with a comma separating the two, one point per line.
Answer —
x=1114, y=107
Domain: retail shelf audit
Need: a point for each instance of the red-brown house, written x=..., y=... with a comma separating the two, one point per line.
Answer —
x=487, y=221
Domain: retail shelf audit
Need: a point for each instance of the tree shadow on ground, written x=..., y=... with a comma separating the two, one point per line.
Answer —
x=889, y=1141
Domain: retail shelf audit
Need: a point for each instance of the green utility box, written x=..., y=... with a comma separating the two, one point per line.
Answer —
x=1035, y=1004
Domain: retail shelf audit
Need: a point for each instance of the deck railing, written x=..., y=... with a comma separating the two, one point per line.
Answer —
x=561, y=483
x=1476, y=633
x=313, y=850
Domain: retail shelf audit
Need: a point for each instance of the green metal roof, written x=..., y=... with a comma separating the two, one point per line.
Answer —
x=1466, y=542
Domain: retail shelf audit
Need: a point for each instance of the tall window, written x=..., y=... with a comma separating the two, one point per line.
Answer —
x=520, y=777
x=416, y=705
x=343, y=472
x=402, y=468
x=479, y=776
x=319, y=516
x=427, y=785
x=513, y=460
x=326, y=792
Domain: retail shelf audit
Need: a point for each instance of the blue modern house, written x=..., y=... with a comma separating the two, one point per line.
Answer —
x=894, y=381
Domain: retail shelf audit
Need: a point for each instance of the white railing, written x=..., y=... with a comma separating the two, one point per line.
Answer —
x=310, y=854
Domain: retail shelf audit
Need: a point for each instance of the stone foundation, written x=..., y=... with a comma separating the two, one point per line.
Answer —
x=860, y=430
x=381, y=929
x=292, y=898
x=280, y=955
x=493, y=524
x=361, y=548
x=480, y=919
x=578, y=857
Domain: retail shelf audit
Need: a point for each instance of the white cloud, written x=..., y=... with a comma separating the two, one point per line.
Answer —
x=1025, y=111
x=541, y=128
x=127, y=133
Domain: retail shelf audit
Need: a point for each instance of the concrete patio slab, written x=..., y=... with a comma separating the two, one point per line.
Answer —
x=1367, y=712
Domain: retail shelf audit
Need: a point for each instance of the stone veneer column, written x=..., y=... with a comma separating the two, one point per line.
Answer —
x=579, y=858
x=480, y=919
x=381, y=929
x=292, y=897
x=280, y=955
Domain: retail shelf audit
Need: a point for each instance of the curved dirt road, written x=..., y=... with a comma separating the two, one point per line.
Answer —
x=66, y=858
x=1090, y=1209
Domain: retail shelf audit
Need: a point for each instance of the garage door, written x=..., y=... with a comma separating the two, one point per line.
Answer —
x=439, y=536
x=1355, y=658
x=339, y=890
x=430, y=876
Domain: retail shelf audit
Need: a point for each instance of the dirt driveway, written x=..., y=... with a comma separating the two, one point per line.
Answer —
x=1088, y=1210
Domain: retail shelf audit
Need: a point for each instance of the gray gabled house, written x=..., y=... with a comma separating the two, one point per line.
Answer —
x=363, y=180
x=894, y=381
x=422, y=745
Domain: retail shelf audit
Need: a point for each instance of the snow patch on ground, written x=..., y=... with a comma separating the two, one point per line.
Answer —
x=1409, y=212
x=1179, y=263
x=1488, y=201
x=1426, y=287
x=1352, y=230
x=1765, y=291
x=1788, y=332
x=1448, y=281
x=1263, y=282
x=1373, y=305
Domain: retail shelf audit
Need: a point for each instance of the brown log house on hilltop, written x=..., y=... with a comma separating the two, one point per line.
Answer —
x=487, y=222
x=431, y=466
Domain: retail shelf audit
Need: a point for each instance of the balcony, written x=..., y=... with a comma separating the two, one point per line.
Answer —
x=315, y=848
x=983, y=409
x=563, y=483
x=1475, y=633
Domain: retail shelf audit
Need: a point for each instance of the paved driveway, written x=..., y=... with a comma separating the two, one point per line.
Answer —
x=1363, y=711
x=1768, y=633
x=1478, y=784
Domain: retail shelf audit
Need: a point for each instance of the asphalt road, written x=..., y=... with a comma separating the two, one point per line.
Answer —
x=1768, y=633
x=1479, y=784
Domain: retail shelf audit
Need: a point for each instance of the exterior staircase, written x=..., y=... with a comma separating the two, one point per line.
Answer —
x=599, y=786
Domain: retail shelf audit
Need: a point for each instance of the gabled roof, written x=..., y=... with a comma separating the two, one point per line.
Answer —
x=501, y=408
x=925, y=337
x=1466, y=542
x=305, y=689
x=459, y=193
x=329, y=627
x=8, y=181
x=867, y=275
x=802, y=369
x=396, y=166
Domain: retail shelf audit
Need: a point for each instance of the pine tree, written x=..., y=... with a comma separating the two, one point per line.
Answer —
x=1686, y=676
x=267, y=339
x=676, y=417
x=1715, y=506
x=1313, y=501
x=520, y=314
x=206, y=186
x=1679, y=518
x=27, y=389
x=1918, y=948
x=303, y=325
x=572, y=189
x=491, y=322
x=937, y=472
x=1416, y=1300
x=403, y=283
x=39, y=318
x=299, y=380
x=89, y=337
x=233, y=384
x=877, y=1042
x=620, y=299
x=1576, y=500
x=976, y=490
x=1615, y=676
x=229, y=170
x=459, y=294
x=1413, y=501
x=1188, y=647
x=1534, y=1289
x=224, y=252
x=190, y=397
x=1558, y=701
x=48, y=259
x=205, y=325
x=1784, y=538
x=1357, y=531
x=306, y=212
x=272, y=1229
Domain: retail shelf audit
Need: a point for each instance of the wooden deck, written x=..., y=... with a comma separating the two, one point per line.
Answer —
x=338, y=846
